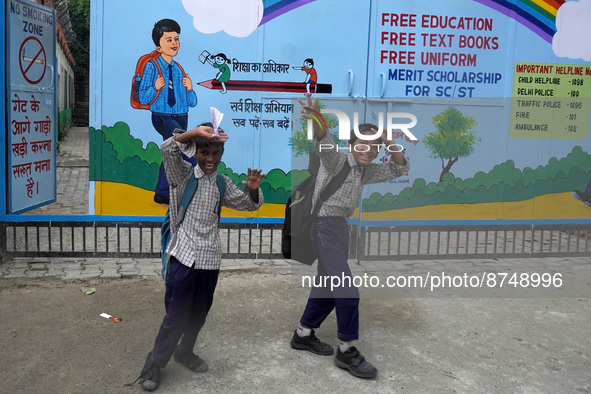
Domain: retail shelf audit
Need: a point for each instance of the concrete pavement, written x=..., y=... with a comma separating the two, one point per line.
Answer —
x=54, y=340
x=72, y=176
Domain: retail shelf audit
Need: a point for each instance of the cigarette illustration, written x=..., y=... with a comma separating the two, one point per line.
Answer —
x=30, y=59
x=33, y=59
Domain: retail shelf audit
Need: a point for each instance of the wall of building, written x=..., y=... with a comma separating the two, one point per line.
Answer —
x=517, y=78
x=65, y=75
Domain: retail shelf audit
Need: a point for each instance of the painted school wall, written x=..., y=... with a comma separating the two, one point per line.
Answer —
x=516, y=74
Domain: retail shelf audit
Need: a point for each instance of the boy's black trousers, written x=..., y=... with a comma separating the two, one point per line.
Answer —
x=189, y=295
x=330, y=238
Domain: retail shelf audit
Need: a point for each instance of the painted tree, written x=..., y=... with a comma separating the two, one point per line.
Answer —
x=452, y=139
x=301, y=145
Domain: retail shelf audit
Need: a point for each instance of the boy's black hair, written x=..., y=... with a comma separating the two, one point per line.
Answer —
x=309, y=60
x=363, y=129
x=164, y=26
x=201, y=142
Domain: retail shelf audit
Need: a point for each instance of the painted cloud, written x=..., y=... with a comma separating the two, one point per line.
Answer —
x=573, y=30
x=237, y=18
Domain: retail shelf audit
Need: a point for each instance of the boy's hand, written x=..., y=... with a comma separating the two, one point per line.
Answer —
x=204, y=132
x=208, y=133
x=397, y=156
x=253, y=179
x=159, y=83
x=307, y=112
x=252, y=183
x=222, y=137
x=384, y=137
x=187, y=83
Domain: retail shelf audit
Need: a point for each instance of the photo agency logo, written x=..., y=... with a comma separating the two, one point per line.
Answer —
x=345, y=128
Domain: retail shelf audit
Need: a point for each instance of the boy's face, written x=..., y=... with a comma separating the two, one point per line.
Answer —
x=169, y=44
x=307, y=65
x=365, y=151
x=208, y=158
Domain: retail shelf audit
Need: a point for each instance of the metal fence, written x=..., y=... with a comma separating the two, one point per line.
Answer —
x=263, y=241
x=452, y=242
x=126, y=239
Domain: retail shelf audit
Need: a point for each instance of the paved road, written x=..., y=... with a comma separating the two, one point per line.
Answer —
x=54, y=341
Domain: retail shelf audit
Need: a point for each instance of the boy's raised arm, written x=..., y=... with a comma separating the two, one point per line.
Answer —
x=397, y=156
x=308, y=113
x=252, y=183
x=201, y=131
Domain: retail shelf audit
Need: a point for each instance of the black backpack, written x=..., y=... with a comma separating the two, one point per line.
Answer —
x=295, y=235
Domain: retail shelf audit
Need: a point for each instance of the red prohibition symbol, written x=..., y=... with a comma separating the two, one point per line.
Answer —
x=38, y=58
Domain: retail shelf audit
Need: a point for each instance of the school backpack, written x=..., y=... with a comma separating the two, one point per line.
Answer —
x=295, y=235
x=165, y=232
x=139, y=74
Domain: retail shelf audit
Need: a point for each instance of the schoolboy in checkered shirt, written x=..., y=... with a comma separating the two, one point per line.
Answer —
x=196, y=256
x=330, y=238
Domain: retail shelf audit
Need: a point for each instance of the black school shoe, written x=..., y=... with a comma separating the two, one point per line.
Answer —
x=150, y=376
x=355, y=363
x=583, y=196
x=161, y=199
x=191, y=361
x=311, y=343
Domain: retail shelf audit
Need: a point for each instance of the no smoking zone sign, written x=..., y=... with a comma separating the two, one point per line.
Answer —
x=32, y=60
x=32, y=125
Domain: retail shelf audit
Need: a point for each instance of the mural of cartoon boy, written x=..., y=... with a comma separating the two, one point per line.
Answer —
x=220, y=61
x=173, y=90
x=311, y=76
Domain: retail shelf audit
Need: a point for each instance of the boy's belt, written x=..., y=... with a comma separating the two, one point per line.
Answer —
x=171, y=115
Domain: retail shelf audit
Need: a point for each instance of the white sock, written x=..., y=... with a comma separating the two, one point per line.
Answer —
x=304, y=332
x=345, y=345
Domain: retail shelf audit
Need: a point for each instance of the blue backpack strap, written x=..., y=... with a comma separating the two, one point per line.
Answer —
x=222, y=187
x=190, y=190
x=166, y=237
x=186, y=198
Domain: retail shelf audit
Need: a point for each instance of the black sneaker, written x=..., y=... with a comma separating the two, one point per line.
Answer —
x=583, y=196
x=161, y=199
x=311, y=343
x=355, y=363
x=150, y=375
x=191, y=361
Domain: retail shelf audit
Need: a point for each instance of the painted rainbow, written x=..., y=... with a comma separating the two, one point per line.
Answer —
x=274, y=8
x=537, y=15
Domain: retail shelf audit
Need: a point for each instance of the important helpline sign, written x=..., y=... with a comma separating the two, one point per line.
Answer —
x=31, y=154
x=551, y=101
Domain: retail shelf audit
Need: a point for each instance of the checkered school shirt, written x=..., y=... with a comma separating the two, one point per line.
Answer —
x=344, y=201
x=198, y=239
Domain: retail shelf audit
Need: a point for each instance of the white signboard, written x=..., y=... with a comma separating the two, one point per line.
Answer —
x=32, y=121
